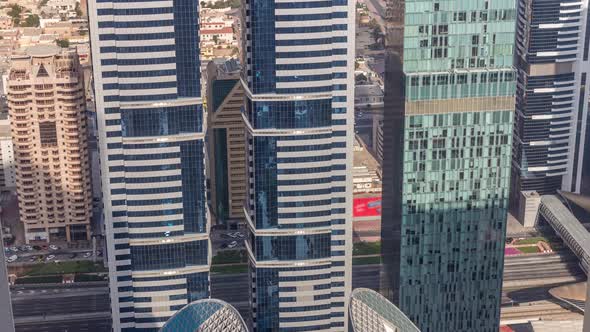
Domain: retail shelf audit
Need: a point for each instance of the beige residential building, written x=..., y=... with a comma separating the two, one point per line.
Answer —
x=7, y=171
x=46, y=103
x=226, y=141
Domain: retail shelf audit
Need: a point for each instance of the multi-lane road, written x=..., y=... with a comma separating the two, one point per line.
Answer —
x=72, y=308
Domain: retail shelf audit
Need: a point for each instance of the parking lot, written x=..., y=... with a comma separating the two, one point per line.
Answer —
x=51, y=253
x=227, y=239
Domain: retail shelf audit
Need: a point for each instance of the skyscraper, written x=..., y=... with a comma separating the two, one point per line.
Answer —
x=150, y=122
x=550, y=122
x=226, y=141
x=298, y=74
x=45, y=92
x=449, y=101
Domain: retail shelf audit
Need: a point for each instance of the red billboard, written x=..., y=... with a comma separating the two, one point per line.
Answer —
x=367, y=207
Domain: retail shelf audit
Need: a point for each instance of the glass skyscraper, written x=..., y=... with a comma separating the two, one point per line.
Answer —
x=150, y=119
x=449, y=105
x=298, y=78
x=550, y=123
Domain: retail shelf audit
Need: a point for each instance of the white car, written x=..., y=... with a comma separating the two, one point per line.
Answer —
x=233, y=244
x=15, y=249
x=239, y=235
x=49, y=258
x=29, y=248
x=12, y=258
x=87, y=254
x=53, y=247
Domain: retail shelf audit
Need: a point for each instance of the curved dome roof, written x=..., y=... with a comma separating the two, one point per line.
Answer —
x=206, y=315
x=371, y=312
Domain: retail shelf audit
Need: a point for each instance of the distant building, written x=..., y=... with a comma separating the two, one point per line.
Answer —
x=368, y=96
x=209, y=315
x=5, y=22
x=7, y=170
x=226, y=141
x=553, y=63
x=371, y=312
x=46, y=104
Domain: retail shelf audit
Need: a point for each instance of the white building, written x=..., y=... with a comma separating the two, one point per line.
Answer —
x=7, y=170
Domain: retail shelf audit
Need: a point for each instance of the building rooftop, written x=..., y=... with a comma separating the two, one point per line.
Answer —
x=371, y=312
x=206, y=315
x=43, y=50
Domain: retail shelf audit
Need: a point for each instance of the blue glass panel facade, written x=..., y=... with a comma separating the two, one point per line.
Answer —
x=298, y=247
x=290, y=114
x=262, y=27
x=161, y=121
x=186, y=38
x=265, y=184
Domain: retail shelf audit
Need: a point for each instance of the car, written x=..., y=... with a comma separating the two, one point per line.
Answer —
x=37, y=247
x=74, y=255
x=12, y=258
x=232, y=244
x=29, y=248
x=50, y=258
x=53, y=247
x=87, y=254
x=44, y=247
x=33, y=258
x=99, y=253
x=6, y=249
x=239, y=235
x=224, y=236
x=14, y=249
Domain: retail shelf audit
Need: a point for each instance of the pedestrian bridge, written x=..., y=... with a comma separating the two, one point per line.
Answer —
x=573, y=233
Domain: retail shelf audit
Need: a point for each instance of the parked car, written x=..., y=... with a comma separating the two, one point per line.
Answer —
x=53, y=247
x=232, y=244
x=14, y=249
x=50, y=258
x=239, y=235
x=37, y=247
x=29, y=248
x=87, y=254
x=33, y=259
x=74, y=255
x=12, y=258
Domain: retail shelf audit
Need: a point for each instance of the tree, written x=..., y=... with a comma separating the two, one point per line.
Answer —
x=215, y=39
x=42, y=3
x=62, y=43
x=78, y=10
x=15, y=12
x=31, y=21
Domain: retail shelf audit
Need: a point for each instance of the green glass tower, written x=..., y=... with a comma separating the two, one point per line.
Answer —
x=449, y=105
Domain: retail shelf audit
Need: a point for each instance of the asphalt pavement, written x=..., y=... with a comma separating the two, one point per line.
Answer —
x=59, y=300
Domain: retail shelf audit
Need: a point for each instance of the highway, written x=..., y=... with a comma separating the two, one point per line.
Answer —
x=527, y=280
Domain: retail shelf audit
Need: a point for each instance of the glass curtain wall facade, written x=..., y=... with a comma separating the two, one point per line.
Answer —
x=449, y=103
x=150, y=119
x=550, y=122
x=298, y=77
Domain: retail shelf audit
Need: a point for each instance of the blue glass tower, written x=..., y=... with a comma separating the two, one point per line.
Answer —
x=150, y=118
x=298, y=77
x=552, y=56
x=449, y=105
